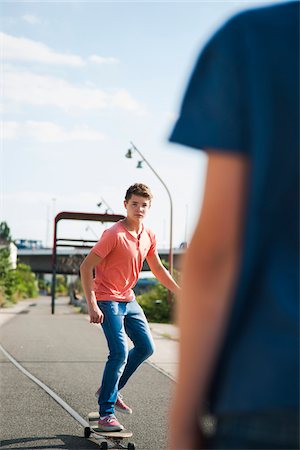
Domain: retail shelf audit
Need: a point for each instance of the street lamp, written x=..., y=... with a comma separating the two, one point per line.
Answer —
x=88, y=228
x=108, y=208
x=139, y=166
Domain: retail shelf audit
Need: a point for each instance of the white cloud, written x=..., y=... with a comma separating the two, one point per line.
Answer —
x=9, y=130
x=102, y=60
x=51, y=132
x=48, y=132
x=36, y=208
x=23, y=87
x=122, y=99
x=26, y=197
x=30, y=18
x=23, y=49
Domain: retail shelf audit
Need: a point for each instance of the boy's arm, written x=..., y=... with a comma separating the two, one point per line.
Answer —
x=86, y=272
x=210, y=271
x=161, y=273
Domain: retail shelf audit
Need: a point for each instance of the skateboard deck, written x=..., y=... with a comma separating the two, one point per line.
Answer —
x=106, y=439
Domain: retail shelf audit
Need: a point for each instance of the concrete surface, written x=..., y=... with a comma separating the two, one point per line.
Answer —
x=68, y=355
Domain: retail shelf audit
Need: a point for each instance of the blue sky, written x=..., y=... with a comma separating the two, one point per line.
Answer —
x=80, y=80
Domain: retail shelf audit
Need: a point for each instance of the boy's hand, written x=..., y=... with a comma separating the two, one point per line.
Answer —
x=96, y=315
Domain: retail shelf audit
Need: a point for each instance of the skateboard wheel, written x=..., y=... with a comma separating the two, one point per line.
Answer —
x=131, y=446
x=104, y=446
x=87, y=432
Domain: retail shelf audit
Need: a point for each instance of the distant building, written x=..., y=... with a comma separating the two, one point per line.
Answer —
x=30, y=244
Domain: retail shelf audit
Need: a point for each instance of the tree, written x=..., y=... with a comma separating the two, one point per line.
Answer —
x=18, y=283
x=4, y=274
x=5, y=232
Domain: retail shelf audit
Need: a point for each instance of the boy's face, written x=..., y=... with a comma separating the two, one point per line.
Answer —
x=137, y=207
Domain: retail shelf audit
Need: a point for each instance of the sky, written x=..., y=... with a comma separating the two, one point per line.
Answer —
x=79, y=82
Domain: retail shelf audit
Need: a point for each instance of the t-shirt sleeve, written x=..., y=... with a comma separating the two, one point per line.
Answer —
x=214, y=108
x=105, y=244
x=152, y=250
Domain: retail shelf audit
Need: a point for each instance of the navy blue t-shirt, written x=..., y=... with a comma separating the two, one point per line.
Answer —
x=243, y=97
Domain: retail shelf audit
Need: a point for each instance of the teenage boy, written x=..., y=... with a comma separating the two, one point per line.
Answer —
x=118, y=259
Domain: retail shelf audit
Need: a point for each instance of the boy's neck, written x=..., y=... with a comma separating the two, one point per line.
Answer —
x=133, y=225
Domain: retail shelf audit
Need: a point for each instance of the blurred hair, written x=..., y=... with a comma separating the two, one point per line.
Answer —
x=138, y=189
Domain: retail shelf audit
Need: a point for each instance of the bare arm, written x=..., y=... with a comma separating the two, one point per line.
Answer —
x=86, y=272
x=209, y=277
x=160, y=272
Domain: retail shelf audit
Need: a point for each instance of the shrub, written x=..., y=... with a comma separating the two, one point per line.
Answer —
x=61, y=285
x=26, y=283
x=2, y=296
x=15, y=284
x=156, y=305
x=44, y=287
x=155, y=302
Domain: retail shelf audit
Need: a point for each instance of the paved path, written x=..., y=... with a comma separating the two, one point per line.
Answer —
x=68, y=354
x=166, y=342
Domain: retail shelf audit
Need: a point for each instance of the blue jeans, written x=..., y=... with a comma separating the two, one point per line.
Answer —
x=268, y=430
x=122, y=319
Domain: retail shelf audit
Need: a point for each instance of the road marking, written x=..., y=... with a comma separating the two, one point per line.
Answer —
x=49, y=391
x=161, y=370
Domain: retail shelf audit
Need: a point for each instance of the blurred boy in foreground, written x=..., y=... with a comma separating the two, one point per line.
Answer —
x=238, y=312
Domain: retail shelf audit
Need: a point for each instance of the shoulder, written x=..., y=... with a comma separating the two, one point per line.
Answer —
x=115, y=228
x=268, y=13
x=113, y=232
x=150, y=233
x=261, y=19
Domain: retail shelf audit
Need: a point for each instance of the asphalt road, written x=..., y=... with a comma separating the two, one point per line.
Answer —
x=68, y=354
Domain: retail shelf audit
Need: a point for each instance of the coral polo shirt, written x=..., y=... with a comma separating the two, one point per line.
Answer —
x=123, y=256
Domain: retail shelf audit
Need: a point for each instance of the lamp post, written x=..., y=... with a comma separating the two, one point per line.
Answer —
x=88, y=228
x=139, y=166
x=108, y=208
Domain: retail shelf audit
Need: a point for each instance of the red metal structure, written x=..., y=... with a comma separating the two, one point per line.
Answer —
x=75, y=242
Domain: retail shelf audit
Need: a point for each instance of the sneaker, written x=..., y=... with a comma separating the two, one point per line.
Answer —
x=109, y=423
x=120, y=405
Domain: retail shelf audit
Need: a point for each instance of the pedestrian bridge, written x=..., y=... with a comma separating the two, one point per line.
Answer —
x=69, y=259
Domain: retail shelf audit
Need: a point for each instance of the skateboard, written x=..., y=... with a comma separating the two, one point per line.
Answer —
x=106, y=439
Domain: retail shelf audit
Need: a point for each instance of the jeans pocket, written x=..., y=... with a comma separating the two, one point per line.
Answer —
x=111, y=307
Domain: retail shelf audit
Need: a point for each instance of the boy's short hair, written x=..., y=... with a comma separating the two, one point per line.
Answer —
x=138, y=189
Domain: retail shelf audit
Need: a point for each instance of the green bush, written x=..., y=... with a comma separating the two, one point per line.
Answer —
x=7, y=282
x=61, y=285
x=26, y=282
x=44, y=286
x=18, y=283
x=2, y=296
x=155, y=304
x=15, y=284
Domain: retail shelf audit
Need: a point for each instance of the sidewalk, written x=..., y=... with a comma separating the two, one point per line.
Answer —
x=166, y=336
x=67, y=354
x=9, y=313
x=165, y=357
